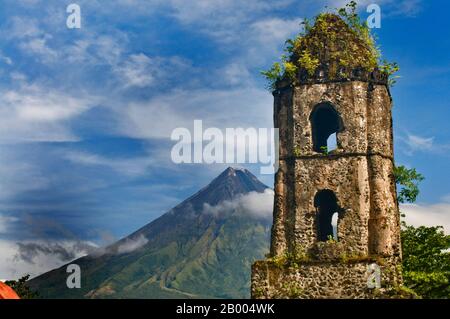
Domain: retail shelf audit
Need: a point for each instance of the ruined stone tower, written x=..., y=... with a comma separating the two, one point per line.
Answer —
x=314, y=184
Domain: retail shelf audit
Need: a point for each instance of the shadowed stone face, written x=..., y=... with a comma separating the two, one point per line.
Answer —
x=324, y=122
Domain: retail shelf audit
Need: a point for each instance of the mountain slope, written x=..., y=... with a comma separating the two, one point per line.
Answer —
x=189, y=252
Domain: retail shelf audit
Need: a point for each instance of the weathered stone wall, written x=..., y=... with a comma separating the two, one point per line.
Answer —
x=364, y=108
x=323, y=280
x=359, y=172
x=347, y=177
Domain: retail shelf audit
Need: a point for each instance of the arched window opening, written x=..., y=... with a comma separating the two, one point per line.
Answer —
x=327, y=207
x=326, y=123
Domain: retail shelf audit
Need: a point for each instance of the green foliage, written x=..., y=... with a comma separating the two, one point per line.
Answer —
x=290, y=69
x=341, y=42
x=426, y=255
x=426, y=261
x=279, y=70
x=21, y=288
x=324, y=150
x=390, y=68
x=409, y=180
x=273, y=75
x=205, y=261
x=293, y=289
x=290, y=259
x=331, y=239
x=258, y=292
x=308, y=62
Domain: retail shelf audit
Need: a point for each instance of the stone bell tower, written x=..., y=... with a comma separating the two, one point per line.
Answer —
x=353, y=184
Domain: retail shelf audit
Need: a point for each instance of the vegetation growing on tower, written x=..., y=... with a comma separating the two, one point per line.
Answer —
x=337, y=43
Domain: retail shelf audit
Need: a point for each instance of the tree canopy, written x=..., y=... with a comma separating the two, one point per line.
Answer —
x=426, y=250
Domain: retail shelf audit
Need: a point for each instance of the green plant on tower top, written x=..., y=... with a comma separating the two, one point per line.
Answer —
x=337, y=42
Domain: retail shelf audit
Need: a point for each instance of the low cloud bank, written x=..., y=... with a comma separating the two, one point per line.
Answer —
x=255, y=204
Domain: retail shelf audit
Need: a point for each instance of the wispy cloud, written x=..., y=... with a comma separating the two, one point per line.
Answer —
x=140, y=70
x=408, y=8
x=129, y=245
x=5, y=222
x=254, y=204
x=419, y=143
x=131, y=166
x=240, y=107
x=33, y=113
x=65, y=251
x=36, y=257
x=5, y=59
x=275, y=30
x=412, y=144
x=427, y=215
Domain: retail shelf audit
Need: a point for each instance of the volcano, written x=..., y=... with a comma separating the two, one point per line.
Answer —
x=202, y=248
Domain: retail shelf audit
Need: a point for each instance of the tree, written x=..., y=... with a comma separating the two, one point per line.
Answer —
x=426, y=255
x=426, y=261
x=409, y=180
x=21, y=288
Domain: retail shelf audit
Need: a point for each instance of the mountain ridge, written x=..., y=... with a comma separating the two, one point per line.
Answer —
x=184, y=253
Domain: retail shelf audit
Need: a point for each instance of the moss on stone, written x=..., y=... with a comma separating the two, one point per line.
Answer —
x=289, y=259
x=396, y=292
x=336, y=46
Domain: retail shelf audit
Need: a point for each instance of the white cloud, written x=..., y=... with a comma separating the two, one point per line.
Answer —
x=427, y=215
x=23, y=27
x=255, y=204
x=414, y=143
x=140, y=70
x=222, y=19
x=40, y=48
x=34, y=105
x=130, y=245
x=31, y=37
x=266, y=37
x=37, y=257
x=108, y=48
x=94, y=49
x=419, y=143
x=236, y=74
x=127, y=166
x=388, y=7
x=33, y=113
x=241, y=107
x=276, y=30
x=5, y=59
x=5, y=222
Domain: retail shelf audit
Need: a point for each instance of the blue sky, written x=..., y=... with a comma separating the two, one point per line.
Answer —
x=86, y=114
